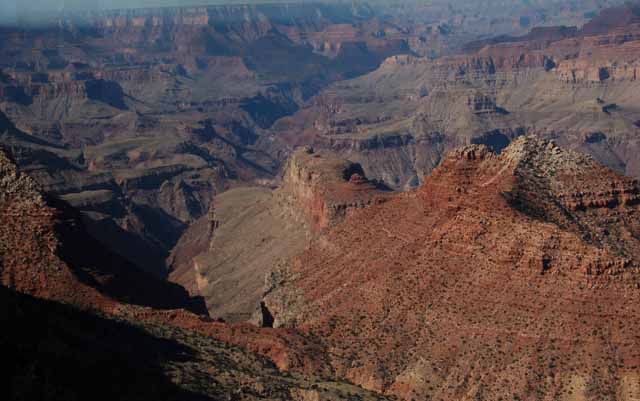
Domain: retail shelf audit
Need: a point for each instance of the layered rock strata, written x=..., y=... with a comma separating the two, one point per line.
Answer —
x=258, y=228
x=510, y=276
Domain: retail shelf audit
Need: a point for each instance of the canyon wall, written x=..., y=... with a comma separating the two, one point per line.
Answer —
x=227, y=256
x=488, y=261
x=575, y=86
x=165, y=107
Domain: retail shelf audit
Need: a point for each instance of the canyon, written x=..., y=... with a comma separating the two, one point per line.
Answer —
x=510, y=275
x=575, y=86
x=326, y=201
x=68, y=300
x=139, y=117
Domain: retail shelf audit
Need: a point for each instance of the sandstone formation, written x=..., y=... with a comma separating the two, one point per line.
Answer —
x=325, y=189
x=226, y=259
x=510, y=276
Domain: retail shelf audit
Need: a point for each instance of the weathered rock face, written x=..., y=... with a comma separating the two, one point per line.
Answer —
x=510, y=275
x=599, y=51
x=326, y=189
x=226, y=256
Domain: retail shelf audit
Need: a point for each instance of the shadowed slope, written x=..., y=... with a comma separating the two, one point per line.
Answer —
x=56, y=352
x=46, y=252
x=177, y=354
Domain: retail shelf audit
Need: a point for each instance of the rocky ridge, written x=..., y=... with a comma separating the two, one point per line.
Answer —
x=325, y=189
x=475, y=285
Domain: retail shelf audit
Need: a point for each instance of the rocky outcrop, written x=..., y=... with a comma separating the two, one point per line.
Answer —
x=225, y=257
x=578, y=71
x=326, y=189
x=41, y=88
x=576, y=184
x=487, y=273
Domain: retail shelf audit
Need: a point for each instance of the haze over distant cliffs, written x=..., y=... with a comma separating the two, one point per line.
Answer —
x=321, y=201
x=576, y=86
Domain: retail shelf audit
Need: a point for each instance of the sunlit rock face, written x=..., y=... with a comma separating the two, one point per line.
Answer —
x=486, y=272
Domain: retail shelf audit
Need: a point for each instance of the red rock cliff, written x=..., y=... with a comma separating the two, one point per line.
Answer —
x=510, y=276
